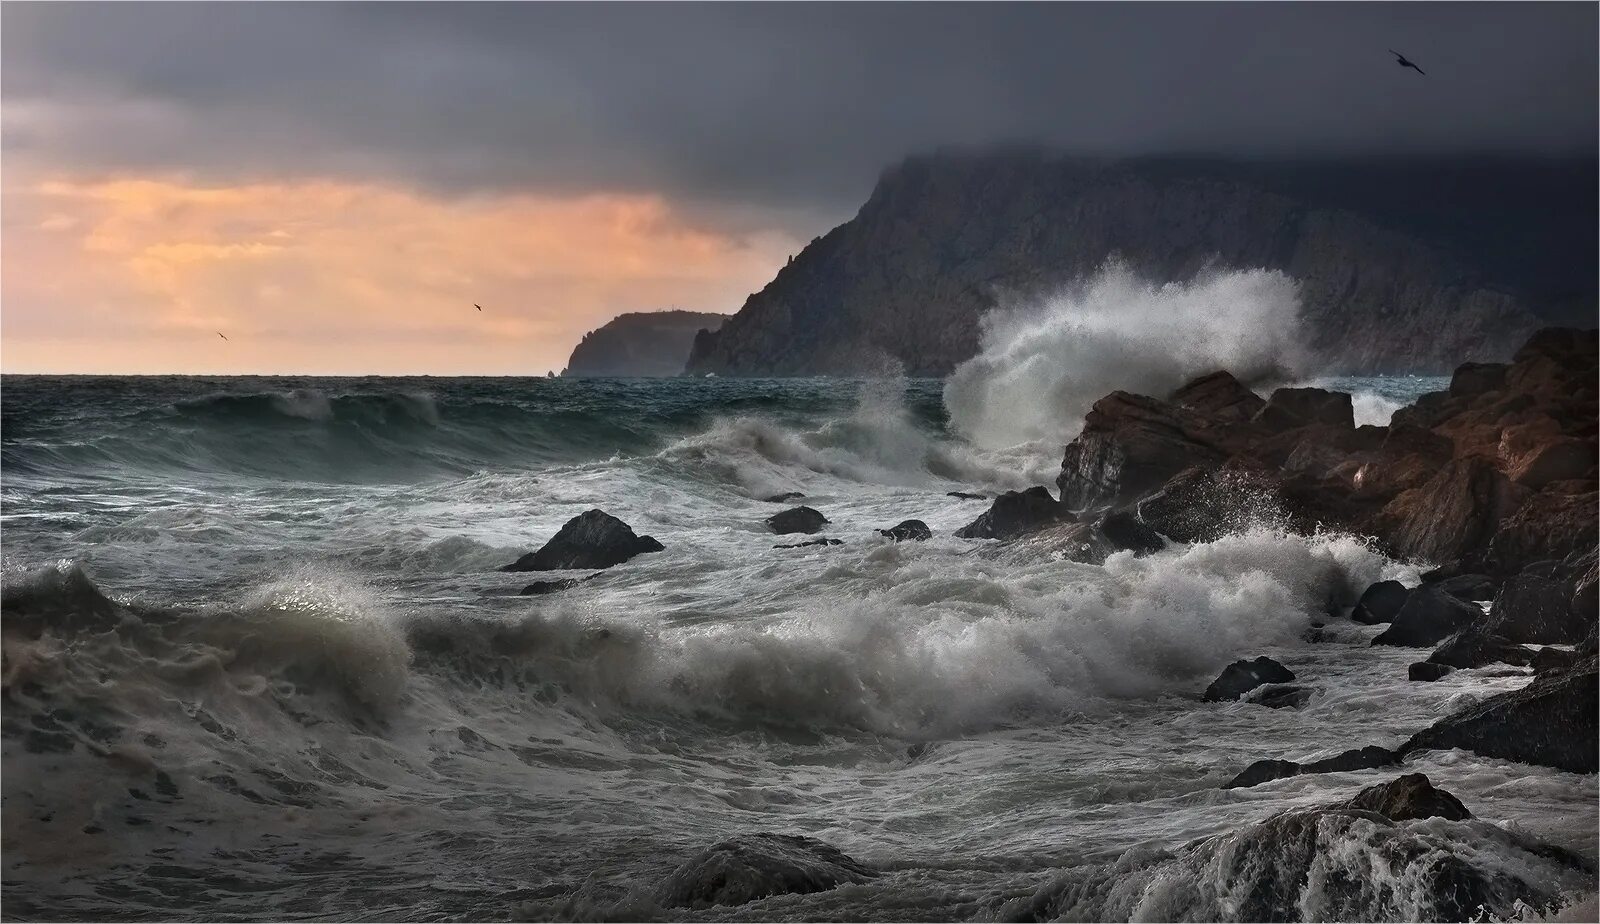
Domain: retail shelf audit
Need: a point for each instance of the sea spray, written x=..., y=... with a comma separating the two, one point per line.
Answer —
x=1042, y=364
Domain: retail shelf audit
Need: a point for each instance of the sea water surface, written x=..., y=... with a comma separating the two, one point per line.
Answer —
x=260, y=663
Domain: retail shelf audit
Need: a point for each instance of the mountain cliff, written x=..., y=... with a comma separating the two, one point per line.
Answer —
x=1402, y=266
x=642, y=343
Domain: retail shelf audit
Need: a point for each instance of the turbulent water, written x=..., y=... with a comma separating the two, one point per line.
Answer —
x=259, y=663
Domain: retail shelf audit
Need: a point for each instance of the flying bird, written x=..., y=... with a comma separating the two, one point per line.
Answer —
x=1400, y=59
x=477, y=306
x=220, y=334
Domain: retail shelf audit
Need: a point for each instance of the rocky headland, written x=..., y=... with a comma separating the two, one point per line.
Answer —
x=640, y=344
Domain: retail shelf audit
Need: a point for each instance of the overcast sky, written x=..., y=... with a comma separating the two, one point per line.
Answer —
x=737, y=131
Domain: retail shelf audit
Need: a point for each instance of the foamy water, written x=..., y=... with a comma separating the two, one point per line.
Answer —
x=310, y=693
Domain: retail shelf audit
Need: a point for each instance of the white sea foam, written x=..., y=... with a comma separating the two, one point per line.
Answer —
x=1042, y=364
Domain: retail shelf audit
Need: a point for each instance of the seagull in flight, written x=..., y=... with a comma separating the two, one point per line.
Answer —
x=477, y=306
x=1400, y=59
x=223, y=336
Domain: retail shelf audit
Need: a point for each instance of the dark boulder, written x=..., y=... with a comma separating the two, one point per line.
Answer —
x=1241, y=677
x=966, y=495
x=1279, y=696
x=822, y=540
x=1380, y=602
x=1131, y=444
x=540, y=588
x=1469, y=587
x=1017, y=513
x=796, y=520
x=1546, y=660
x=1536, y=609
x=752, y=866
x=908, y=531
x=1409, y=797
x=1263, y=771
x=1477, y=645
x=1203, y=504
x=1454, y=514
x=1220, y=396
x=1427, y=671
x=1549, y=722
x=1299, y=407
x=1473, y=379
x=783, y=498
x=1124, y=530
x=1427, y=618
x=593, y=539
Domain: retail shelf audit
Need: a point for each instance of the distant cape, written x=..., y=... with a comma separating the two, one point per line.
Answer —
x=1402, y=265
x=641, y=343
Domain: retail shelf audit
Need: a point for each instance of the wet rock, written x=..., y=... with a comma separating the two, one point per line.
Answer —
x=593, y=539
x=1473, y=379
x=1550, y=722
x=1531, y=608
x=1409, y=797
x=540, y=588
x=1202, y=504
x=1454, y=513
x=796, y=520
x=1241, y=677
x=1476, y=646
x=783, y=498
x=1427, y=618
x=1017, y=513
x=1546, y=660
x=908, y=531
x=1551, y=525
x=963, y=495
x=1263, y=771
x=1469, y=587
x=753, y=866
x=1280, y=696
x=1427, y=671
x=1124, y=530
x=1380, y=602
x=1299, y=407
x=824, y=540
x=1220, y=396
x=1132, y=444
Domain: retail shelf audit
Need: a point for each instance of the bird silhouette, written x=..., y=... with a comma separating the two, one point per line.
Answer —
x=220, y=334
x=1400, y=59
x=477, y=306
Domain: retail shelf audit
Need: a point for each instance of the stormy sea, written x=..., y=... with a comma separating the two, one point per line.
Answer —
x=261, y=664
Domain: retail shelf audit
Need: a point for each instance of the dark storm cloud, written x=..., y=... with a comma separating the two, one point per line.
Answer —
x=772, y=105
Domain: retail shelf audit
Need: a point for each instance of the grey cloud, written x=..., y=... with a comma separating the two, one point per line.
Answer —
x=779, y=106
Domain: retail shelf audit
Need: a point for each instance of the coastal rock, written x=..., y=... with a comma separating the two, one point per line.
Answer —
x=783, y=498
x=966, y=495
x=593, y=539
x=1017, y=513
x=1469, y=587
x=1131, y=444
x=1473, y=379
x=1380, y=602
x=908, y=531
x=796, y=520
x=1546, y=660
x=1427, y=618
x=822, y=540
x=1299, y=407
x=1549, y=722
x=1409, y=797
x=540, y=588
x=644, y=343
x=1241, y=677
x=1552, y=525
x=1202, y=504
x=1219, y=396
x=753, y=866
x=1535, y=609
x=1279, y=696
x=1427, y=671
x=1450, y=515
x=1263, y=771
x=1124, y=530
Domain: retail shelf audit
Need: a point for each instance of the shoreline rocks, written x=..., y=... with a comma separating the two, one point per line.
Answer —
x=1241, y=677
x=592, y=539
x=796, y=520
x=748, y=867
x=1017, y=513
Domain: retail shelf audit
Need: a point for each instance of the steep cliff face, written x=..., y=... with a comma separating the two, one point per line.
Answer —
x=646, y=343
x=1397, y=271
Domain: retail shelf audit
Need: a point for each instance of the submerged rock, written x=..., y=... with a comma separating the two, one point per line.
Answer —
x=593, y=539
x=908, y=531
x=1427, y=618
x=783, y=498
x=1263, y=771
x=751, y=866
x=1380, y=602
x=1279, y=696
x=964, y=495
x=1549, y=722
x=796, y=520
x=1124, y=530
x=822, y=540
x=1017, y=513
x=540, y=588
x=1427, y=671
x=1241, y=677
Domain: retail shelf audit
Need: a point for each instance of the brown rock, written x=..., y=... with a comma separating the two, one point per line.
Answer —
x=1298, y=407
x=1454, y=513
x=1132, y=444
x=1219, y=396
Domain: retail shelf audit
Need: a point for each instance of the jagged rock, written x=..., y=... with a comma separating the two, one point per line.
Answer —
x=1016, y=513
x=1473, y=379
x=783, y=498
x=1124, y=530
x=592, y=539
x=1427, y=618
x=1549, y=722
x=1551, y=525
x=1427, y=671
x=1263, y=771
x=1409, y=797
x=643, y=343
x=1453, y=513
x=1131, y=444
x=1241, y=677
x=1469, y=587
x=1299, y=407
x=908, y=531
x=1560, y=459
x=753, y=866
x=1201, y=504
x=796, y=520
x=1546, y=660
x=540, y=588
x=1380, y=602
x=1536, y=609
x=823, y=540
x=1220, y=396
